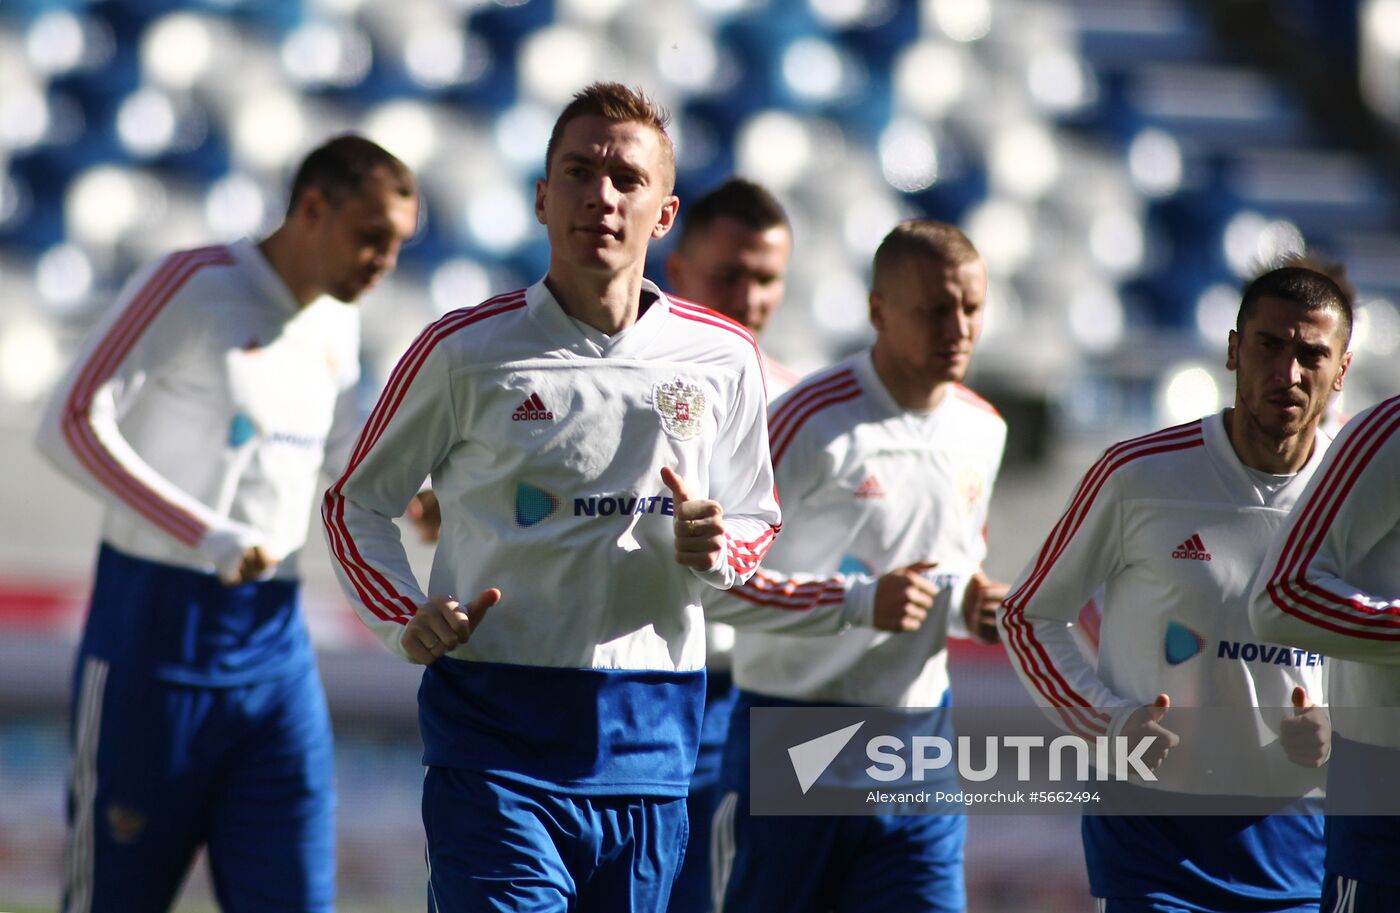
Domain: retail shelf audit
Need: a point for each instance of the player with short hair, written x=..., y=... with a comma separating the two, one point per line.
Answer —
x=201, y=411
x=600, y=456
x=732, y=255
x=886, y=464
x=1331, y=583
x=1174, y=525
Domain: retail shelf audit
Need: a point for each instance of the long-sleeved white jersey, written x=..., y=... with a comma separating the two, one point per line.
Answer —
x=867, y=487
x=545, y=440
x=1332, y=576
x=1331, y=582
x=202, y=409
x=719, y=637
x=1174, y=527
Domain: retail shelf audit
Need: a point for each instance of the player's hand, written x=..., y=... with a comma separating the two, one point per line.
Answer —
x=903, y=597
x=425, y=514
x=981, y=600
x=442, y=625
x=1306, y=735
x=1146, y=721
x=699, y=525
x=256, y=564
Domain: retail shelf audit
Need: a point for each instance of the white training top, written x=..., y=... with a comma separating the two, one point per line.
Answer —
x=1174, y=527
x=867, y=487
x=719, y=637
x=545, y=440
x=1331, y=579
x=202, y=408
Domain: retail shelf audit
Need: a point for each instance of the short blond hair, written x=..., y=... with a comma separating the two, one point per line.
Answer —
x=937, y=241
x=619, y=104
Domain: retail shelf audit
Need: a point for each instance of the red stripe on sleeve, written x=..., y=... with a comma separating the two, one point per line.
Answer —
x=106, y=358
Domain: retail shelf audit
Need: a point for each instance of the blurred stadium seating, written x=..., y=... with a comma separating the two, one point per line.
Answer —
x=1122, y=164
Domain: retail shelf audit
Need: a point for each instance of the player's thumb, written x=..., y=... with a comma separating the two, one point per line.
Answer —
x=1300, y=701
x=673, y=481
x=480, y=605
x=1158, y=708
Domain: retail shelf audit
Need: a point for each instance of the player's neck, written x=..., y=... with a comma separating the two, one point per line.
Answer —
x=1266, y=454
x=918, y=394
x=288, y=262
x=608, y=303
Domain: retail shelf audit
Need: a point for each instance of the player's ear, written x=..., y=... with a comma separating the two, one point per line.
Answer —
x=1341, y=374
x=667, y=218
x=877, y=310
x=1232, y=351
x=539, y=201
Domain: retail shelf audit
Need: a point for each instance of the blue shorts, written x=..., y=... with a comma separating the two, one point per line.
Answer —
x=801, y=864
x=693, y=892
x=1347, y=895
x=1146, y=905
x=498, y=845
x=161, y=768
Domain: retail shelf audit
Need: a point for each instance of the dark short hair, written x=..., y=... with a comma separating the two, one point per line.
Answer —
x=1332, y=269
x=747, y=203
x=926, y=238
x=619, y=104
x=1308, y=288
x=339, y=167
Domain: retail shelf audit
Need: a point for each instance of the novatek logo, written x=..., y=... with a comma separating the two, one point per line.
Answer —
x=1192, y=549
x=623, y=506
x=532, y=410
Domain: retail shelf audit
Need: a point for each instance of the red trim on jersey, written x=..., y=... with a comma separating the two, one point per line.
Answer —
x=744, y=556
x=1289, y=585
x=967, y=396
x=804, y=402
x=701, y=314
x=387, y=603
x=76, y=423
x=765, y=590
x=1028, y=652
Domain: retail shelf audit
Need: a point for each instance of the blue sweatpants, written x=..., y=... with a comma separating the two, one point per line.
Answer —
x=160, y=769
x=812, y=864
x=503, y=846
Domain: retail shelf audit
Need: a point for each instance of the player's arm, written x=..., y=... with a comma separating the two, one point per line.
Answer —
x=1083, y=550
x=723, y=537
x=791, y=601
x=1304, y=595
x=148, y=329
x=408, y=433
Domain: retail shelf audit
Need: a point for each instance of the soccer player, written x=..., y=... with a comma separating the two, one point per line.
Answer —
x=732, y=255
x=885, y=463
x=600, y=456
x=1174, y=526
x=201, y=411
x=1331, y=583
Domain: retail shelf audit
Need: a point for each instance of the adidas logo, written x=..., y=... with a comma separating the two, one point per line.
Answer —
x=870, y=488
x=1192, y=549
x=532, y=410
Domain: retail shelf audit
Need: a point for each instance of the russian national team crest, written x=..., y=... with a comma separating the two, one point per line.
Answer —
x=681, y=406
x=971, y=483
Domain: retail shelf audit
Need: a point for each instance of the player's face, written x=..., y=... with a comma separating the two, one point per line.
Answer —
x=734, y=269
x=1288, y=362
x=928, y=317
x=608, y=194
x=359, y=239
